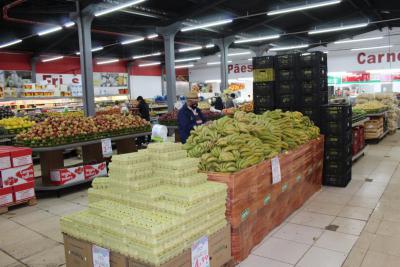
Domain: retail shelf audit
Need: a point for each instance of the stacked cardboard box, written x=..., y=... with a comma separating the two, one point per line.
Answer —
x=374, y=128
x=78, y=173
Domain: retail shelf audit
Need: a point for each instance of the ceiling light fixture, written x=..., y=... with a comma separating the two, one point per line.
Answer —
x=306, y=54
x=150, y=64
x=210, y=46
x=69, y=24
x=212, y=81
x=283, y=48
x=118, y=7
x=152, y=36
x=184, y=66
x=190, y=49
x=131, y=41
x=93, y=50
x=107, y=61
x=51, y=30
x=303, y=7
x=372, y=47
x=358, y=40
x=10, y=43
x=339, y=28
x=206, y=25
x=147, y=55
x=52, y=58
x=213, y=63
x=187, y=59
x=256, y=39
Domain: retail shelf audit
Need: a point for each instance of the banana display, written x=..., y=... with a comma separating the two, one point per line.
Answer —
x=371, y=107
x=232, y=144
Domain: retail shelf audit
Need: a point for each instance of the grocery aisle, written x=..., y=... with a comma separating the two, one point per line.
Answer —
x=365, y=215
x=363, y=220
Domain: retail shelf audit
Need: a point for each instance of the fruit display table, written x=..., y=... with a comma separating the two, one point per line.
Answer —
x=51, y=158
x=175, y=129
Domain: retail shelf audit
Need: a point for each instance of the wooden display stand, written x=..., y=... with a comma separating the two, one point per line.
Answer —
x=255, y=206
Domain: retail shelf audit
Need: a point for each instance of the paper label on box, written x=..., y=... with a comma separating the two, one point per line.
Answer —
x=5, y=162
x=6, y=199
x=106, y=147
x=200, y=255
x=69, y=175
x=101, y=256
x=276, y=170
x=24, y=194
x=17, y=176
x=22, y=160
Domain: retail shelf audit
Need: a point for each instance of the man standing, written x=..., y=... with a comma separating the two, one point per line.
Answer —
x=189, y=116
x=144, y=113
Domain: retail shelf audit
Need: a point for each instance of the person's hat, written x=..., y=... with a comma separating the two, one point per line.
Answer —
x=192, y=95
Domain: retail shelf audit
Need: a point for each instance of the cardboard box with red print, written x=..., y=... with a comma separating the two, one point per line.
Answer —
x=95, y=170
x=6, y=196
x=5, y=159
x=16, y=176
x=24, y=191
x=21, y=156
x=67, y=175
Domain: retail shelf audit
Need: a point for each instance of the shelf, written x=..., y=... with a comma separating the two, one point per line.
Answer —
x=39, y=187
x=361, y=122
x=37, y=98
x=377, y=114
x=127, y=95
x=359, y=154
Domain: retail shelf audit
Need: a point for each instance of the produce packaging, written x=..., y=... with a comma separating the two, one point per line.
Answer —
x=16, y=125
x=232, y=144
x=153, y=206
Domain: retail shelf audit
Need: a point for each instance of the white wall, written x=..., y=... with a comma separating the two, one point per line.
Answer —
x=146, y=86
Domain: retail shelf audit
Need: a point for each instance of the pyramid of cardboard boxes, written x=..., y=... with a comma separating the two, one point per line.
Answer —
x=152, y=207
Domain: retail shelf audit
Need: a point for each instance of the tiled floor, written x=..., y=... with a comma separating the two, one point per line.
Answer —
x=366, y=215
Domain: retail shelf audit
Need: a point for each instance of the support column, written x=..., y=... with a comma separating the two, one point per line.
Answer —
x=33, y=66
x=223, y=45
x=162, y=80
x=259, y=50
x=129, y=67
x=84, y=23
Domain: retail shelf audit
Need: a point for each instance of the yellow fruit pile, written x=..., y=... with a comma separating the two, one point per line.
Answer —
x=373, y=106
x=232, y=144
x=16, y=123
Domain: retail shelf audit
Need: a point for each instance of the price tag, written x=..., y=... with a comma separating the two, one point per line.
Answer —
x=106, y=147
x=200, y=256
x=101, y=256
x=276, y=170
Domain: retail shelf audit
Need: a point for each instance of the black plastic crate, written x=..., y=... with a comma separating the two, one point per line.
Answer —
x=313, y=59
x=312, y=73
x=335, y=127
x=286, y=87
x=334, y=112
x=263, y=88
x=314, y=86
x=287, y=61
x=266, y=100
x=286, y=101
x=337, y=180
x=338, y=166
x=314, y=100
x=312, y=113
x=344, y=139
x=261, y=110
x=263, y=62
x=337, y=152
x=285, y=75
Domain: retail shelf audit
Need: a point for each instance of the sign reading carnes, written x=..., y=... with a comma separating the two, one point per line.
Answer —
x=364, y=58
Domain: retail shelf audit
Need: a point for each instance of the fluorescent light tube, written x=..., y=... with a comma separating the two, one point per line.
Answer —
x=184, y=66
x=190, y=49
x=339, y=28
x=372, y=47
x=282, y=48
x=152, y=36
x=107, y=61
x=207, y=25
x=384, y=71
x=214, y=63
x=210, y=46
x=10, y=43
x=187, y=59
x=52, y=58
x=249, y=59
x=130, y=41
x=212, y=81
x=69, y=24
x=150, y=64
x=93, y=50
x=256, y=39
x=54, y=29
x=118, y=7
x=306, y=54
x=246, y=79
x=358, y=40
x=303, y=7
x=147, y=55
x=239, y=54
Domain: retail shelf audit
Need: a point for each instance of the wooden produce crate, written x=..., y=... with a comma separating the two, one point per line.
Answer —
x=255, y=206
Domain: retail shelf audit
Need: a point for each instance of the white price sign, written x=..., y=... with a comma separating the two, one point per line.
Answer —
x=101, y=256
x=200, y=256
x=276, y=170
x=106, y=147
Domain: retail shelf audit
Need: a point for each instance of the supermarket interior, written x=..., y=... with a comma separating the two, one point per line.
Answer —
x=198, y=133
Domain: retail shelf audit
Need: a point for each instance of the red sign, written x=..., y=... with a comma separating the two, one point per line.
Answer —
x=364, y=58
x=356, y=77
x=236, y=68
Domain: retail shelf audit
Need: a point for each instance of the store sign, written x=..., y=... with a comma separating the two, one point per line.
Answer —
x=364, y=58
x=357, y=77
x=200, y=256
x=106, y=147
x=240, y=68
x=101, y=257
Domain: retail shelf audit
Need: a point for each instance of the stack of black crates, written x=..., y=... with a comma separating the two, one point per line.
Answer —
x=287, y=90
x=263, y=84
x=336, y=126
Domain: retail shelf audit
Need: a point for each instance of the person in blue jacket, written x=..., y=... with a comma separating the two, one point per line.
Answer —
x=189, y=116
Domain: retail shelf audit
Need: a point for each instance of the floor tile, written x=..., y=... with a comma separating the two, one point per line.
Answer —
x=358, y=213
x=312, y=219
x=319, y=257
x=365, y=240
x=389, y=228
x=31, y=217
x=51, y=257
x=336, y=241
x=365, y=202
x=331, y=197
x=374, y=259
x=355, y=258
x=299, y=233
x=282, y=250
x=257, y=261
x=6, y=260
x=324, y=208
x=386, y=244
x=29, y=246
x=349, y=226
x=49, y=228
x=372, y=226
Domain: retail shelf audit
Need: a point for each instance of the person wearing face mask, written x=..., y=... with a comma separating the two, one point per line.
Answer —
x=189, y=116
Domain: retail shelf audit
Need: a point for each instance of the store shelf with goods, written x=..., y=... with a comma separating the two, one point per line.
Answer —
x=377, y=139
x=359, y=123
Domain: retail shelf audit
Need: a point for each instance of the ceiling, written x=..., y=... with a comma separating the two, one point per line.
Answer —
x=24, y=18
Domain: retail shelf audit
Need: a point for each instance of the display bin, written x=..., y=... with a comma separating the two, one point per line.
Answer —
x=313, y=59
x=285, y=75
x=314, y=100
x=312, y=73
x=337, y=153
x=286, y=101
x=263, y=88
x=337, y=179
x=287, y=61
x=264, y=75
x=339, y=140
x=314, y=86
x=338, y=166
x=263, y=62
x=286, y=87
x=336, y=112
x=336, y=127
